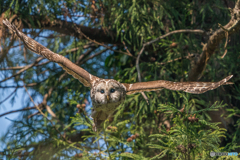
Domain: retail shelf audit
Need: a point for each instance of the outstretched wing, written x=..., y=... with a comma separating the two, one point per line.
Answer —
x=190, y=87
x=77, y=72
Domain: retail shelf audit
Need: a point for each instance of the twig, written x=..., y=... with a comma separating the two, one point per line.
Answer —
x=225, y=46
x=46, y=116
x=50, y=111
x=226, y=35
x=174, y=32
x=126, y=48
x=139, y=74
x=77, y=62
x=84, y=55
x=92, y=56
x=30, y=116
x=9, y=96
x=214, y=41
x=98, y=43
x=236, y=115
x=35, y=104
x=19, y=110
x=155, y=40
x=68, y=51
x=44, y=102
x=32, y=84
x=98, y=143
x=24, y=69
x=21, y=67
x=176, y=59
x=104, y=136
x=27, y=85
x=4, y=52
x=137, y=63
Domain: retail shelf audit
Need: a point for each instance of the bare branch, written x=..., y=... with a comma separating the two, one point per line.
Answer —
x=44, y=102
x=176, y=59
x=137, y=63
x=233, y=26
x=69, y=28
x=197, y=31
x=9, y=96
x=46, y=116
x=21, y=67
x=155, y=40
x=50, y=111
x=35, y=64
x=5, y=50
x=161, y=37
x=139, y=74
x=84, y=55
x=35, y=104
x=127, y=49
x=24, y=69
x=101, y=44
x=68, y=51
x=92, y=56
x=31, y=85
x=27, y=85
x=19, y=110
x=36, y=113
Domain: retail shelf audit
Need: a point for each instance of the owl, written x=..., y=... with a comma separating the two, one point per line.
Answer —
x=108, y=94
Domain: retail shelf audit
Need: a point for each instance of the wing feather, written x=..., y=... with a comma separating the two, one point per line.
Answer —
x=190, y=87
x=77, y=72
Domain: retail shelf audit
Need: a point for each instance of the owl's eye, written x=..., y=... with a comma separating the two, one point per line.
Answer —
x=112, y=90
x=102, y=91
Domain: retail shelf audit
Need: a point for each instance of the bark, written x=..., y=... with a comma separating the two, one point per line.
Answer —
x=232, y=27
x=68, y=28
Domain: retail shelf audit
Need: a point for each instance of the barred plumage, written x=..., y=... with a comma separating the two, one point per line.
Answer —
x=108, y=94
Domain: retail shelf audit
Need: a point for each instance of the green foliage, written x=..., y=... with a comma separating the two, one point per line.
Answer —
x=188, y=139
x=158, y=129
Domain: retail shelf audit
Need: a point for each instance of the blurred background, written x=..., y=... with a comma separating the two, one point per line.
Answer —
x=105, y=38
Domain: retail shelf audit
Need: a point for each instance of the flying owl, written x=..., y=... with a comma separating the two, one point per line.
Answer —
x=108, y=94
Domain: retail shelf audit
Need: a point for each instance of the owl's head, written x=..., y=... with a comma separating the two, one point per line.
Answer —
x=107, y=91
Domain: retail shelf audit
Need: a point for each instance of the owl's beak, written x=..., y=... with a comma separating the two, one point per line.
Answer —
x=107, y=97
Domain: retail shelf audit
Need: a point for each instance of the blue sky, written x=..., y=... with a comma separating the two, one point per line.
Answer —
x=5, y=123
x=6, y=107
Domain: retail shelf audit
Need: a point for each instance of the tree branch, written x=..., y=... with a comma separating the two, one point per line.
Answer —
x=68, y=51
x=161, y=37
x=19, y=110
x=197, y=31
x=92, y=56
x=176, y=59
x=78, y=62
x=233, y=26
x=21, y=67
x=155, y=40
x=28, y=85
x=68, y=28
x=24, y=69
x=101, y=44
x=46, y=116
x=9, y=95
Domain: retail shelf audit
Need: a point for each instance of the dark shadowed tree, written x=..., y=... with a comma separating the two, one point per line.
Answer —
x=129, y=41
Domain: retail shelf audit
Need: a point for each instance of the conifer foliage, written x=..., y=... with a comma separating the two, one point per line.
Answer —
x=129, y=41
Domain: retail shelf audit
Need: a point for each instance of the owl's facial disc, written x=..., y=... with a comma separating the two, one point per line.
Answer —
x=107, y=92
